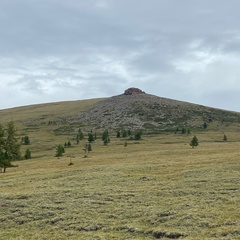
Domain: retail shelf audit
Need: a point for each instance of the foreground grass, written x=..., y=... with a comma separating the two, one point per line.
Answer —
x=158, y=188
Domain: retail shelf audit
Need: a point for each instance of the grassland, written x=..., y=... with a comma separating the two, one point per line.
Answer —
x=156, y=188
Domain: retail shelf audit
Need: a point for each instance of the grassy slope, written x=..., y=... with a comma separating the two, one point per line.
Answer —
x=55, y=110
x=157, y=185
x=33, y=121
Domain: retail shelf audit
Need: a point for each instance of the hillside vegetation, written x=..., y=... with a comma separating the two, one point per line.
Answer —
x=158, y=187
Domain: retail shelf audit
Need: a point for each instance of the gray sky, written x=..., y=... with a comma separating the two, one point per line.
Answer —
x=56, y=50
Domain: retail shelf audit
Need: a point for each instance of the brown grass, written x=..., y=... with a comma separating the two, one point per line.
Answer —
x=158, y=187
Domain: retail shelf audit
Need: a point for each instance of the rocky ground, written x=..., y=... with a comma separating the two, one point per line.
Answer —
x=137, y=110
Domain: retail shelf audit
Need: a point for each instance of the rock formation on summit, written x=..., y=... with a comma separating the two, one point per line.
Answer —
x=133, y=91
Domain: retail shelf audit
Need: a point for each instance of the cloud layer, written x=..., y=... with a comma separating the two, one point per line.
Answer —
x=54, y=50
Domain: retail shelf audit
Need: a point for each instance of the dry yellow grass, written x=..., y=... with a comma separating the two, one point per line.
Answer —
x=58, y=109
x=158, y=187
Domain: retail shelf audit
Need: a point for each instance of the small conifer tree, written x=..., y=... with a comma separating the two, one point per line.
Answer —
x=194, y=142
x=27, y=154
x=118, y=134
x=224, y=138
x=124, y=133
x=60, y=151
x=138, y=135
x=80, y=136
x=184, y=130
x=105, y=137
x=90, y=137
x=9, y=146
x=26, y=140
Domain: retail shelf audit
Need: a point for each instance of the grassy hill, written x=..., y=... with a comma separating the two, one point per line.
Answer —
x=154, y=188
x=53, y=123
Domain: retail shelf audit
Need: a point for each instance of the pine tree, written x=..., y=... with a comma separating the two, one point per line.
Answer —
x=118, y=134
x=194, y=142
x=27, y=154
x=138, y=135
x=9, y=146
x=124, y=133
x=26, y=140
x=105, y=137
x=60, y=151
x=80, y=135
x=90, y=137
x=224, y=138
x=12, y=147
x=184, y=130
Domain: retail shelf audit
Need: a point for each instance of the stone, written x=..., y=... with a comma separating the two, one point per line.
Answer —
x=133, y=91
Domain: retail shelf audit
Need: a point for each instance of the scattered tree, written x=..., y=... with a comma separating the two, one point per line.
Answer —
x=184, y=130
x=90, y=137
x=27, y=154
x=124, y=133
x=67, y=144
x=224, y=138
x=138, y=135
x=80, y=135
x=194, y=142
x=118, y=134
x=9, y=146
x=205, y=125
x=60, y=151
x=26, y=140
x=105, y=137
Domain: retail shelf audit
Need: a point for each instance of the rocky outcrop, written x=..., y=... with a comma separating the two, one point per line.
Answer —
x=133, y=91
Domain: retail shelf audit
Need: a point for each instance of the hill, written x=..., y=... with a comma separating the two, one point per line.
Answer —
x=47, y=125
x=133, y=110
x=155, y=188
x=150, y=113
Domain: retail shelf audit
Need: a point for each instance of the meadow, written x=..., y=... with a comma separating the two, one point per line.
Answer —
x=155, y=188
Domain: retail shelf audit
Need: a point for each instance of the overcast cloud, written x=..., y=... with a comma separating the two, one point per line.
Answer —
x=55, y=50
